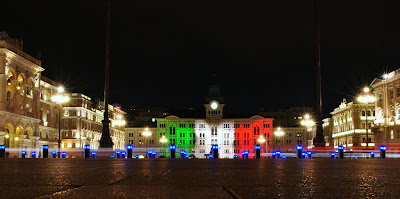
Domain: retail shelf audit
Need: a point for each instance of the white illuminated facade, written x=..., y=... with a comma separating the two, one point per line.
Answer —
x=349, y=124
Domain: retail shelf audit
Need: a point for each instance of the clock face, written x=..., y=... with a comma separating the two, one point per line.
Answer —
x=214, y=105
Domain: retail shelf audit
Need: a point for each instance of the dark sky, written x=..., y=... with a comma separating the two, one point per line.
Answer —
x=163, y=55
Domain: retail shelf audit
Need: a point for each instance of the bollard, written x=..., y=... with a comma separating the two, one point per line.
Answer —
x=33, y=155
x=210, y=156
x=299, y=151
x=235, y=156
x=45, y=151
x=333, y=154
x=93, y=154
x=87, y=151
x=284, y=157
x=118, y=153
x=243, y=155
x=182, y=154
x=341, y=152
x=150, y=154
x=273, y=155
x=215, y=150
x=172, y=149
x=112, y=156
x=372, y=156
x=64, y=154
x=154, y=154
x=278, y=154
x=23, y=154
x=129, y=149
x=383, y=151
x=2, y=151
x=258, y=149
x=303, y=155
x=123, y=154
x=54, y=154
x=309, y=154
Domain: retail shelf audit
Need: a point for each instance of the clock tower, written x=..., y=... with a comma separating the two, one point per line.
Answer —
x=214, y=110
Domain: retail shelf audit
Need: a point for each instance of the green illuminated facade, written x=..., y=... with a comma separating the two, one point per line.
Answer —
x=179, y=132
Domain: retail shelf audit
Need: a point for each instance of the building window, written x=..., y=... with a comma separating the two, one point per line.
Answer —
x=65, y=122
x=8, y=96
x=288, y=142
x=73, y=145
x=391, y=135
x=298, y=134
x=66, y=113
x=391, y=94
x=299, y=141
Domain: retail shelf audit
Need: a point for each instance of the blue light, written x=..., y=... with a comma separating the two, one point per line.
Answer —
x=284, y=157
x=154, y=153
x=340, y=148
x=356, y=157
x=172, y=147
x=246, y=152
x=333, y=154
x=45, y=146
x=182, y=152
x=2, y=147
x=382, y=148
x=215, y=147
x=235, y=156
x=372, y=153
x=258, y=147
x=303, y=154
x=273, y=154
x=149, y=152
x=63, y=153
x=112, y=156
x=54, y=152
x=129, y=147
x=187, y=156
x=93, y=153
x=23, y=152
x=87, y=146
x=210, y=156
x=123, y=153
x=299, y=147
x=136, y=156
x=33, y=153
x=118, y=152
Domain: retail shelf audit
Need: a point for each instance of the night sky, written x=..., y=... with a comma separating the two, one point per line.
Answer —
x=164, y=54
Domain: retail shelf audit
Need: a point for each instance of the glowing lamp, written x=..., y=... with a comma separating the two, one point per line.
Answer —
x=210, y=156
x=87, y=146
x=235, y=156
x=63, y=153
x=382, y=148
x=333, y=154
x=118, y=152
x=172, y=147
x=372, y=153
x=340, y=148
x=309, y=152
x=2, y=147
x=123, y=153
x=7, y=136
x=23, y=152
x=273, y=154
x=154, y=153
x=45, y=147
x=149, y=152
x=112, y=156
x=284, y=157
x=356, y=157
x=303, y=154
x=258, y=147
x=299, y=147
x=278, y=152
x=93, y=153
x=129, y=147
x=53, y=152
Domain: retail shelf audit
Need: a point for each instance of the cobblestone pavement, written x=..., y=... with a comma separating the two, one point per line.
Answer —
x=196, y=178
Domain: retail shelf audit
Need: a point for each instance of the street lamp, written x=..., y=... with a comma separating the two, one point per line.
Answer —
x=60, y=99
x=164, y=140
x=261, y=140
x=279, y=133
x=366, y=98
x=146, y=133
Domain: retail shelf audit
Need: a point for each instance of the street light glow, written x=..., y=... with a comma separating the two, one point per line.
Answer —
x=163, y=139
x=261, y=139
x=366, y=90
x=60, y=89
x=279, y=132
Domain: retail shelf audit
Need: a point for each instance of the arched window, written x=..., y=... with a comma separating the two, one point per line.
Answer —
x=363, y=112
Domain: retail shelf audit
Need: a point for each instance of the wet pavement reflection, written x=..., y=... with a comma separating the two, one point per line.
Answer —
x=163, y=178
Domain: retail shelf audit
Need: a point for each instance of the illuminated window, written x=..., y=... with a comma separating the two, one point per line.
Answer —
x=66, y=113
x=391, y=135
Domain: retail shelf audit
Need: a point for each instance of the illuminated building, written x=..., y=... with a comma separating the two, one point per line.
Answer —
x=135, y=137
x=292, y=137
x=19, y=108
x=327, y=126
x=386, y=127
x=82, y=123
x=197, y=135
x=349, y=125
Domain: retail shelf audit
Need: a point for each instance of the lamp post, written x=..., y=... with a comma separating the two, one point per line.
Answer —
x=279, y=133
x=307, y=122
x=119, y=122
x=146, y=134
x=366, y=98
x=60, y=99
x=163, y=140
x=261, y=140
